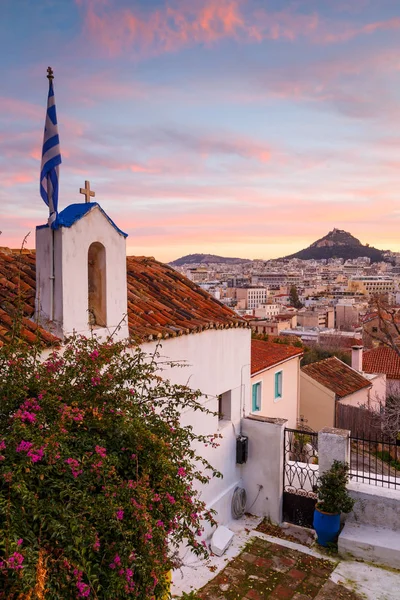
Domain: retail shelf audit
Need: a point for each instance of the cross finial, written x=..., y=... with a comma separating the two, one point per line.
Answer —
x=87, y=192
x=50, y=74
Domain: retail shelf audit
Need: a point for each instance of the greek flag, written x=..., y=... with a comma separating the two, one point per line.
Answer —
x=51, y=158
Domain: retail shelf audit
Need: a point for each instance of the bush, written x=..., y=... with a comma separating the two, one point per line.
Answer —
x=332, y=493
x=97, y=476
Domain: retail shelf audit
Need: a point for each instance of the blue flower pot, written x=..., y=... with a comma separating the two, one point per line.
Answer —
x=327, y=526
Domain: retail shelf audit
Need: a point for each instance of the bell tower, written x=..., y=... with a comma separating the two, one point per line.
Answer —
x=81, y=282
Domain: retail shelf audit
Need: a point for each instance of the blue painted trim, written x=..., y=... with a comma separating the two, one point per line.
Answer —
x=74, y=212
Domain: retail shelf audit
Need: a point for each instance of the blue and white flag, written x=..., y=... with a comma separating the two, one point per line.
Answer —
x=51, y=158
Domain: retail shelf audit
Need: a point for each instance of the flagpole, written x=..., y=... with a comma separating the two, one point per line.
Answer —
x=50, y=77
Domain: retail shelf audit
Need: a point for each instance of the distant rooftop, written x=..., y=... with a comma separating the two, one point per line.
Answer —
x=338, y=377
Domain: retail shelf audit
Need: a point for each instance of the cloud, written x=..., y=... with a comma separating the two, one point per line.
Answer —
x=181, y=24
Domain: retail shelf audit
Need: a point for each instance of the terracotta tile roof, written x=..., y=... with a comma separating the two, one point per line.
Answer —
x=18, y=285
x=161, y=302
x=335, y=375
x=267, y=354
x=382, y=360
x=164, y=303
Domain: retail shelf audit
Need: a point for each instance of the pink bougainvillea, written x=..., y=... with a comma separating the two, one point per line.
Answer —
x=92, y=456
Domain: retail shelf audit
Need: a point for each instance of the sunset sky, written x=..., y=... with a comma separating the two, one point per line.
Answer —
x=244, y=128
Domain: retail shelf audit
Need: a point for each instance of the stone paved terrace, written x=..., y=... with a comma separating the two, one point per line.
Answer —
x=270, y=570
x=270, y=563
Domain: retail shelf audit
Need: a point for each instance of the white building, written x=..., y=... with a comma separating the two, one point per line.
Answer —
x=98, y=290
x=275, y=381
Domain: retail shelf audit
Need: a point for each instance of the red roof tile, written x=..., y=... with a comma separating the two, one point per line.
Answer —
x=335, y=375
x=17, y=287
x=382, y=360
x=267, y=354
x=162, y=303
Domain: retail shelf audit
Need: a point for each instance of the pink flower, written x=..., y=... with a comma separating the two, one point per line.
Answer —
x=94, y=354
x=2, y=445
x=20, y=541
x=36, y=455
x=160, y=524
x=170, y=498
x=15, y=561
x=101, y=451
x=148, y=536
x=181, y=472
x=74, y=464
x=117, y=559
x=96, y=545
x=83, y=589
x=120, y=515
x=24, y=446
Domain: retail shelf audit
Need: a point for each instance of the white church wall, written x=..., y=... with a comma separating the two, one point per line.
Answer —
x=71, y=269
x=94, y=227
x=218, y=361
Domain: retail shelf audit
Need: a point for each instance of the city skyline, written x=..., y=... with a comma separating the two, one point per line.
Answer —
x=230, y=127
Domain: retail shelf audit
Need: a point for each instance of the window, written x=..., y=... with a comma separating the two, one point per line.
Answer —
x=256, y=397
x=278, y=385
x=97, y=285
x=224, y=406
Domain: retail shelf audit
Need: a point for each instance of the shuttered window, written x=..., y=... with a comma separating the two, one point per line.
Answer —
x=256, y=390
x=278, y=385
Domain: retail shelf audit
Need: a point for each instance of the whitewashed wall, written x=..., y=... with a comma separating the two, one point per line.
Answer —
x=288, y=406
x=71, y=245
x=263, y=473
x=217, y=361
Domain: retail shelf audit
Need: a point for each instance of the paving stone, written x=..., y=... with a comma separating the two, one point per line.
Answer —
x=283, y=564
x=254, y=595
x=250, y=558
x=296, y=574
x=317, y=581
x=334, y=591
x=301, y=597
x=322, y=571
x=307, y=589
x=282, y=593
x=277, y=549
x=265, y=563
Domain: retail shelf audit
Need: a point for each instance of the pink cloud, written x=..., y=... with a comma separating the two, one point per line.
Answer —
x=180, y=24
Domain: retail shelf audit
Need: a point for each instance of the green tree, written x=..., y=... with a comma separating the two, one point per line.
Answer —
x=98, y=478
x=294, y=297
x=315, y=353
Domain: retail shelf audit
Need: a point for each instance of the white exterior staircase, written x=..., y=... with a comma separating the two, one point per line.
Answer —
x=372, y=529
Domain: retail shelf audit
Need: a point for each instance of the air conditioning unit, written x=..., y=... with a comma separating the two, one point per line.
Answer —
x=242, y=448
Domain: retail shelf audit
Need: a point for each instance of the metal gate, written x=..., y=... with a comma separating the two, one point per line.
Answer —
x=300, y=475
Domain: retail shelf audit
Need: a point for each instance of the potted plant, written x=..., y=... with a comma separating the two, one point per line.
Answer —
x=333, y=499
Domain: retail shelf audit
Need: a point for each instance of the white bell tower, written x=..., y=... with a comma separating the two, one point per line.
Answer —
x=81, y=284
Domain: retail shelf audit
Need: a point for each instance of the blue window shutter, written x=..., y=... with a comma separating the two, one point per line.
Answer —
x=254, y=391
x=278, y=384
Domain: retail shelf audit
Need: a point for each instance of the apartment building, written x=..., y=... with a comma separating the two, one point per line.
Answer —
x=316, y=317
x=370, y=285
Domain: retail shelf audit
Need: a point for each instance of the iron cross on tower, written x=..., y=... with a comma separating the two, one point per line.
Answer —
x=87, y=192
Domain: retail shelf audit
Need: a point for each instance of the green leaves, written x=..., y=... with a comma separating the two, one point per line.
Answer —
x=99, y=485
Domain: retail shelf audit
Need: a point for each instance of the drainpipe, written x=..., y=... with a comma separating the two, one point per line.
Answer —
x=242, y=405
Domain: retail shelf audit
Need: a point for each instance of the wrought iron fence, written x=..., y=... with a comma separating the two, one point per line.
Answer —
x=300, y=476
x=375, y=461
